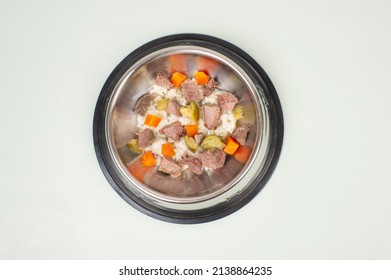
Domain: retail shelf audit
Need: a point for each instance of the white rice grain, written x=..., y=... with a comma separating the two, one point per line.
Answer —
x=158, y=90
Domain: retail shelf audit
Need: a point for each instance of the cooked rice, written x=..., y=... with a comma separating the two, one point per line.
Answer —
x=227, y=125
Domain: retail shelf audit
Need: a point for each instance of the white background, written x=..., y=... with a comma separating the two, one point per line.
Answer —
x=329, y=197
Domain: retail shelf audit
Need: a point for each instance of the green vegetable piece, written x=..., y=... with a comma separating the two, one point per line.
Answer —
x=238, y=112
x=191, y=112
x=133, y=146
x=212, y=141
x=162, y=104
x=191, y=143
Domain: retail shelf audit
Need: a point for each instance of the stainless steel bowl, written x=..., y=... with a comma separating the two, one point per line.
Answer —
x=190, y=198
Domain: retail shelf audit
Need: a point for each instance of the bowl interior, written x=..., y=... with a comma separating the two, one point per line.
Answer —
x=138, y=80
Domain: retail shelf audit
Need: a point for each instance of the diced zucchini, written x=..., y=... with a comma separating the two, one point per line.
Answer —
x=133, y=146
x=191, y=143
x=212, y=141
x=191, y=112
x=238, y=112
x=162, y=104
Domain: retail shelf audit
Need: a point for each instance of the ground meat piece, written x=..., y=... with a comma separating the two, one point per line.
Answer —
x=192, y=163
x=143, y=104
x=169, y=166
x=163, y=80
x=213, y=158
x=199, y=137
x=240, y=133
x=211, y=116
x=145, y=138
x=173, y=108
x=210, y=87
x=174, y=131
x=191, y=91
x=227, y=101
